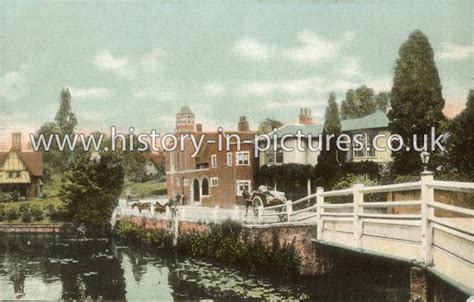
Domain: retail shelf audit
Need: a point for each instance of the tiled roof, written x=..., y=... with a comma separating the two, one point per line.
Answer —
x=32, y=160
x=375, y=120
x=156, y=158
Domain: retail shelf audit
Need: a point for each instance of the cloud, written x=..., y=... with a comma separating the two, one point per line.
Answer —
x=154, y=59
x=154, y=93
x=455, y=52
x=13, y=84
x=247, y=47
x=351, y=67
x=289, y=87
x=214, y=89
x=90, y=93
x=315, y=49
x=105, y=61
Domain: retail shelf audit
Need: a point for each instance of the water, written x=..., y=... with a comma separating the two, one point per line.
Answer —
x=54, y=267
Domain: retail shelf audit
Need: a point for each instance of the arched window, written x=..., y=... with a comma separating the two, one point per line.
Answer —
x=196, y=197
x=205, y=187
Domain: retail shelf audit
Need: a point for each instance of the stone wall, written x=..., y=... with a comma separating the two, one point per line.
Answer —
x=35, y=228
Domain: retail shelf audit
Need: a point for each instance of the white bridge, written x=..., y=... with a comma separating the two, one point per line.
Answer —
x=424, y=231
x=434, y=235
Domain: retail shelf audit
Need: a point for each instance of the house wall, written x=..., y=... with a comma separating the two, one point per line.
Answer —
x=150, y=168
x=13, y=162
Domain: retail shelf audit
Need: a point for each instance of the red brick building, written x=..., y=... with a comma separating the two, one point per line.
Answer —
x=213, y=177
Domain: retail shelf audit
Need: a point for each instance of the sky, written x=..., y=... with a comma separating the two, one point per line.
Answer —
x=134, y=64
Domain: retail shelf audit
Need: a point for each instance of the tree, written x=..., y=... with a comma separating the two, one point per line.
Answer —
x=362, y=102
x=461, y=139
x=330, y=159
x=268, y=125
x=416, y=101
x=65, y=118
x=90, y=189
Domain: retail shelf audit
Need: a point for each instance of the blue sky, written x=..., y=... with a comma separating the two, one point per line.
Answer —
x=135, y=64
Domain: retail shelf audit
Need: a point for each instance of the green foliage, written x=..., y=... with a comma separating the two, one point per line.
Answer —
x=349, y=180
x=65, y=118
x=91, y=188
x=129, y=231
x=416, y=101
x=461, y=141
x=362, y=102
x=268, y=125
x=290, y=178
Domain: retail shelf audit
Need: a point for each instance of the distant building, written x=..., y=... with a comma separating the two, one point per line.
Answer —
x=153, y=163
x=214, y=177
x=21, y=171
x=369, y=126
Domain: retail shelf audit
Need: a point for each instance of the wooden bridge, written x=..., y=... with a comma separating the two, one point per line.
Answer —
x=437, y=236
x=434, y=235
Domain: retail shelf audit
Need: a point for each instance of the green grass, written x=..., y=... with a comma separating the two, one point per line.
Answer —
x=151, y=188
x=40, y=202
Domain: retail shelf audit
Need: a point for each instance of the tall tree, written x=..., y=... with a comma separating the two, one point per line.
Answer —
x=65, y=118
x=461, y=139
x=382, y=101
x=330, y=158
x=416, y=100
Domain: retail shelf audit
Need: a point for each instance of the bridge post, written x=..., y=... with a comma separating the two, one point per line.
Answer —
x=427, y=212
x=289, y=210
x=319, y=212
x=357, y=223
x=259, y=214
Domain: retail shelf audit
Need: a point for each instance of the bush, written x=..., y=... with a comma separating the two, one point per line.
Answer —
x=3, y=212
x=25, y=213
x=12, y=214
x=6, y=197
x=37, y=213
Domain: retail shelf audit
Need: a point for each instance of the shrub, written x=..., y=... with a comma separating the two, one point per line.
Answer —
x=3, y=212
x=37, y=213
x=6, y=197
x=12, y=214
x=25, y=213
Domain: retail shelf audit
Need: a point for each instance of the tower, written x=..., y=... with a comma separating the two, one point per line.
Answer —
x=185, y=120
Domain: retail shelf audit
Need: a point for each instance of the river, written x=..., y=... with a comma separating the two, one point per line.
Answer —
x=57, y=267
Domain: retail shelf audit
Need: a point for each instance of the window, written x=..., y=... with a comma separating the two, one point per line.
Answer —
x=242, y=185
x=243, y=158
x=14, y=174
x=150, y=165
x=229, y=159
x=213, y=161
x=274, y=157
x=368, y=149
x=214, y=181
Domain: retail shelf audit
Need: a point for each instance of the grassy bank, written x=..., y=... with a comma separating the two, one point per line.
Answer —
x=152, y=188
x=226, y=242
x=31, y=211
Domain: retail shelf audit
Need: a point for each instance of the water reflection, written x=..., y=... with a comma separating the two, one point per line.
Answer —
x=53, y=267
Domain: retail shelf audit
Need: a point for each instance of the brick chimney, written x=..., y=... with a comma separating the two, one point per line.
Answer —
x=16, y=141
x=199, y=128
x=305, y=116
x=243, y=124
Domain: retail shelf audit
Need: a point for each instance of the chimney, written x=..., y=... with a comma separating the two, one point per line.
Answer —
x=16, y=141
x=243, y=125
x=305, y=116
x=199, y=128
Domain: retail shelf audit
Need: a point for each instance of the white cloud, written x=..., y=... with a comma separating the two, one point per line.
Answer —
x=154, y=93
x=13, y=84
x=315, y=49
x=214, y=89
x=351, y=67
x=291, y=87
x=105, y=61
x=250, y=48
x=455, y=52
x=90, y=93
x=153, y=59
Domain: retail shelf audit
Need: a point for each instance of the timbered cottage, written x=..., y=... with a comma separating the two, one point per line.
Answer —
x=21, y=171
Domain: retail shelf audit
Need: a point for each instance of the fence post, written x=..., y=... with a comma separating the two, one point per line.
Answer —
x=357, y=223
x=308, y=185
x=427, y=195
x=319, y=212
x=289, y=210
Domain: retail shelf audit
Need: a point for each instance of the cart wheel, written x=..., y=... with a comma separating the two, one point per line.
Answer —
x=257, y=202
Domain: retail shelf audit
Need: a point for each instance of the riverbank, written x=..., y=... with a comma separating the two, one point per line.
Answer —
x=36, y=228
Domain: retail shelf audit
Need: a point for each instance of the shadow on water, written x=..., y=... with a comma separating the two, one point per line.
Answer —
x=55, y=267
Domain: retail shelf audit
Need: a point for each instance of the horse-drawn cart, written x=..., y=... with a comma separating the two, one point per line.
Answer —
x=263, y=198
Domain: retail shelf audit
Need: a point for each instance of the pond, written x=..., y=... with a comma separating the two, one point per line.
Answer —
x=56, y=267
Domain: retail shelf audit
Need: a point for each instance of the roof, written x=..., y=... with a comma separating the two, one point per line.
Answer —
x=375, y=120
x=32, y=160
x=156, y=158
x=185, y=109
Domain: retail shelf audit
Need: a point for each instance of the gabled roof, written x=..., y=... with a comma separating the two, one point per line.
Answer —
x=375, y=120
x=32, y=160
x=156, y=158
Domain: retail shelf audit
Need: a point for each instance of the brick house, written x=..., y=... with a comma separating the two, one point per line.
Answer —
x=213, y=177
x=21, y=171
